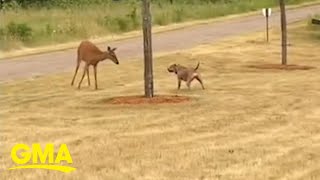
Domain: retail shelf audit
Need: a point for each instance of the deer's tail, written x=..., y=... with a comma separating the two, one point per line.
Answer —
x=197, y=66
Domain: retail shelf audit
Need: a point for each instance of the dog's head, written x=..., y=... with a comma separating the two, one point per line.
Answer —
x=173, y=68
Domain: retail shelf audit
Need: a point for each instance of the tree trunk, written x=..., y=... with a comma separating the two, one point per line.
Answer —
x=147, y=45
x=283, y=31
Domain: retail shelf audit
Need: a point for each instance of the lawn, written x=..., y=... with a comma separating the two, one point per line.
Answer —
x=248, y=123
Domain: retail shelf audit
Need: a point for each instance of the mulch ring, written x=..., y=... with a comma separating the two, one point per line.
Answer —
x=281, y=67
x=159, y=99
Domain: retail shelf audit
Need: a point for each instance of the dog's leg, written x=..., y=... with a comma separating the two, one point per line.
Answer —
x=189, y=82
x=200, y=81
x=179, y=83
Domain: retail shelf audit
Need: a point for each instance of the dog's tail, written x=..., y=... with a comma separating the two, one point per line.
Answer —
x=197, y=66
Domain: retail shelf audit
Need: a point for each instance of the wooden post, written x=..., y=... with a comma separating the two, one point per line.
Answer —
x=147, y=45
x=267, y=13
x=267, y=27
x=283, y=31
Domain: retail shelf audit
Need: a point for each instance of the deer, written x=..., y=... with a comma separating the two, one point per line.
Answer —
x=92, y=55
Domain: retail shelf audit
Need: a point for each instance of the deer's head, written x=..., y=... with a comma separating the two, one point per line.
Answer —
x=112, y=55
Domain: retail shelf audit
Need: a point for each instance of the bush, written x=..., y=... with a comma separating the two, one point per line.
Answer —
x=19, y=31
x=178, y=15
x=2, y=33
x=7, y=6
x=121, y=23
x=134, y=17
x=109, y=23
x=161, y=19
x=52, y=3
x=49, y=29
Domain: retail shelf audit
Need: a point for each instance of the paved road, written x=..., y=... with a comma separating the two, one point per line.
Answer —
x=63, y=61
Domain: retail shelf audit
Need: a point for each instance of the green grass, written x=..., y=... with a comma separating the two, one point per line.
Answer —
x=52, y=25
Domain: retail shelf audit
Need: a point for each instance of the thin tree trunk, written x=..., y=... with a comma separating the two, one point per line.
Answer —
x=283, y=31
x=147, y=42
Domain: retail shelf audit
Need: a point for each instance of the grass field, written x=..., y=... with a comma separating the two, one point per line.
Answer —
x=247, y=124
x=34, y=26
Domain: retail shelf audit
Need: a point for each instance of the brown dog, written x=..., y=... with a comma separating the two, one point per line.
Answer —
x=186, y=74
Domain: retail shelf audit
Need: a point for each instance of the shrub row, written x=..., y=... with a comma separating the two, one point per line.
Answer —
x=18, y=31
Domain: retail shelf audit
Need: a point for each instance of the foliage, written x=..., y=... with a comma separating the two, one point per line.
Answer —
x=19, y=31
x=54, y=3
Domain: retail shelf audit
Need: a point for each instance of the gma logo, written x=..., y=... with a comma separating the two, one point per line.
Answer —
x=34, y=158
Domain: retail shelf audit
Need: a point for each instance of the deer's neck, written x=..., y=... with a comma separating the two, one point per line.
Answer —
x=102, y=56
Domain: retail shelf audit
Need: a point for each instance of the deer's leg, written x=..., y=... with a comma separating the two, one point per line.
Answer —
x=84, y=73
x=95, y=76
x=88, y=76
x=75, y=73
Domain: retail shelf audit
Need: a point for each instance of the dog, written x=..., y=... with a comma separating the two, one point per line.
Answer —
x=186, y=74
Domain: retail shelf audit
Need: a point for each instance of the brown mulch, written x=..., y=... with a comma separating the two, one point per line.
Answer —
x=159, y=99
x=281, y=67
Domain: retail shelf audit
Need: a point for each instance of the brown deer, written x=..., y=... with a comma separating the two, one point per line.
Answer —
x=92, y=55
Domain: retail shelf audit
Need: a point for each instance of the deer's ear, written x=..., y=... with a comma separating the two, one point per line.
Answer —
x=109, y=48
x=114, y=49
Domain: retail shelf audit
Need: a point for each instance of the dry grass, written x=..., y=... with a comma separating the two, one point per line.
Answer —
x=157, y=99
x=248, y=123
